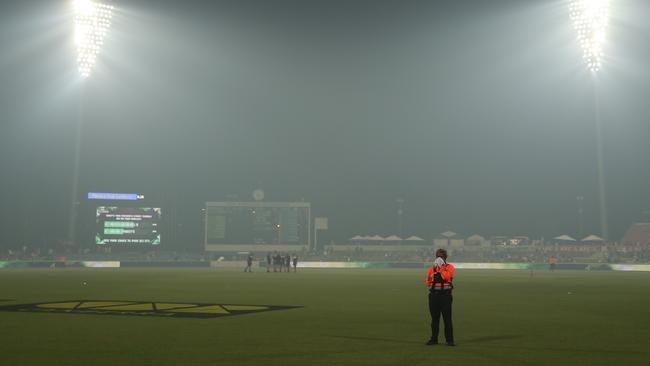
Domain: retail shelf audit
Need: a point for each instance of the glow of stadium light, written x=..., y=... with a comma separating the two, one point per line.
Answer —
x=590, y=19
x=91, y=20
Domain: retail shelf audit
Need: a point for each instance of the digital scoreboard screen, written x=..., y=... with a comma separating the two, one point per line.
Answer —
x=128, y=225
x=242, y=223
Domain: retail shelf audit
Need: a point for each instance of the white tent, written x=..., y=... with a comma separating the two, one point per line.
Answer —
x=414, y=238
x=475, y=240
x=593, y=238
x=375, y=238
x=448, y=234
x=356, y=238
x=475, y=237
x=564, y=238
x=392, y=238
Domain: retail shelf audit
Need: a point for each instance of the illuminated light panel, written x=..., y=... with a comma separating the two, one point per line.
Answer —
x=590, y=19
x=92, y=20
x=101, y=264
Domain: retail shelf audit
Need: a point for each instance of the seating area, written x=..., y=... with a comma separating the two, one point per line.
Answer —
x=632, y=249
x=539, y=253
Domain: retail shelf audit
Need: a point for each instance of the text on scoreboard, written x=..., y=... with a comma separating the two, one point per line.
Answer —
x=128, y=225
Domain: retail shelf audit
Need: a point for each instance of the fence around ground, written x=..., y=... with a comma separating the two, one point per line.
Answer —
x=319, y=264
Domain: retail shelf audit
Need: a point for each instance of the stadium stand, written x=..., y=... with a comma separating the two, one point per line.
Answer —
x=637, y=235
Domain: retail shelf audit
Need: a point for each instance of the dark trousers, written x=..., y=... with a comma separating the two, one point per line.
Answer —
x=440, y=303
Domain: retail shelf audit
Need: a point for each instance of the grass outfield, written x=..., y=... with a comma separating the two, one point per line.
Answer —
x=349, y=317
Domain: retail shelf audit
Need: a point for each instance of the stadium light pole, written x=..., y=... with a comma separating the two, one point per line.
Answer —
x=580, y=200
x=91, y=23
x=590, y=20
x=400, y=213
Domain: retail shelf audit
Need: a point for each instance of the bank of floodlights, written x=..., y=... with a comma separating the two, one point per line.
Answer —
x=91, y=20
x=590, y=19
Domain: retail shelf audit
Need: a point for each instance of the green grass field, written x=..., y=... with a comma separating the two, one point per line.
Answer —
x=348, y=317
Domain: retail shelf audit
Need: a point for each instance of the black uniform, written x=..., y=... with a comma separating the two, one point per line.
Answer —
x=276, y=262
x=249, y=264
x=440, y=304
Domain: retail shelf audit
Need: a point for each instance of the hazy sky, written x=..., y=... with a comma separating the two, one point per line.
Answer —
x=479, y=114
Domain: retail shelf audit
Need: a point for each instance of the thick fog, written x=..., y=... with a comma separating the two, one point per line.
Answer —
x=479, y=114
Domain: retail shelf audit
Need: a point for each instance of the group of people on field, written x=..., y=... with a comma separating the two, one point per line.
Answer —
x=277, y=262
x=281, y=262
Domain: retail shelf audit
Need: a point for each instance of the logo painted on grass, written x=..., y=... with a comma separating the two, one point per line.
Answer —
x=164, y=309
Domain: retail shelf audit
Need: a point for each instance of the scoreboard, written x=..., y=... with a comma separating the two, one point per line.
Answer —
x=128, y=225
x=257, y=223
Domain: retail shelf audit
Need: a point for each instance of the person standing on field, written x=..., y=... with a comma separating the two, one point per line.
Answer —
x=287, y=262
x=249, y=263
x=439, y=281
x=276, y=261
x=281, y=262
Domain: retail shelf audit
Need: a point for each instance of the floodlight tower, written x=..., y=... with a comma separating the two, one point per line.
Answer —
x=590, y=20
x=400, y=214
x=91, y=23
